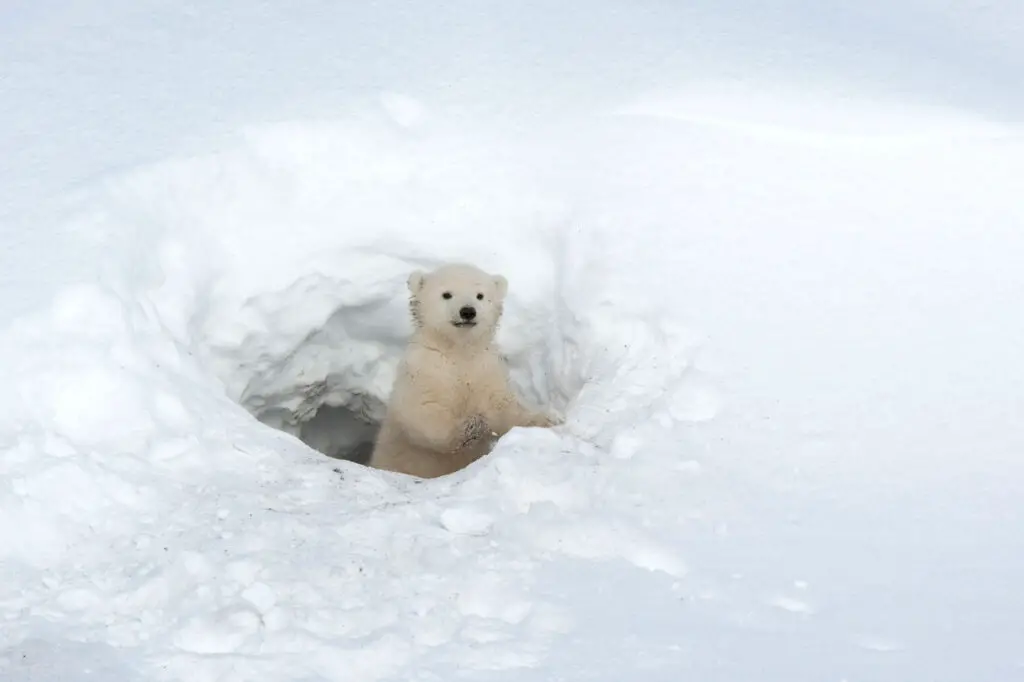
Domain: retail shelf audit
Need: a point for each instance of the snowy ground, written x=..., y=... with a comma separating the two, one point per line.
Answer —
x=783, y=316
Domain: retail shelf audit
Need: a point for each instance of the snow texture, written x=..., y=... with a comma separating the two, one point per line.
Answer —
x=767, y=261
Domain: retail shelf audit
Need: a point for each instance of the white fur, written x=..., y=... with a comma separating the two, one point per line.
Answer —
x=451, y=398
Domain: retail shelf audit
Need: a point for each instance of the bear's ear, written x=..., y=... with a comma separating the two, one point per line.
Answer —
x=501, y=286
x=415, y=281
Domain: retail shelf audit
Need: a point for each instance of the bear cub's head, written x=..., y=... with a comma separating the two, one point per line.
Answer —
x=457, y=302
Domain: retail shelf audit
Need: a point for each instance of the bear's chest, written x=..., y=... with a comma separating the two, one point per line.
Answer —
x=463, y=387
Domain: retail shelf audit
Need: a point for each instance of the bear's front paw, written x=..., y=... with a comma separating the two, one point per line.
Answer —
x=474, y=429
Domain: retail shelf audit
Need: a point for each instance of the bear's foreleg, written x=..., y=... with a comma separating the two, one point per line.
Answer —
x=433, y=429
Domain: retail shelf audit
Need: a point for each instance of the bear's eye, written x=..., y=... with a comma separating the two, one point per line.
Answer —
x=446, y=295
x=479, y=297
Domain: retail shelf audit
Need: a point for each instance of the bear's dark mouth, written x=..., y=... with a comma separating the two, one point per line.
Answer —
x=464, y=323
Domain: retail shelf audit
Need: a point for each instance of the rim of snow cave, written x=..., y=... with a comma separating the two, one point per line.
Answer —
x=282, y=264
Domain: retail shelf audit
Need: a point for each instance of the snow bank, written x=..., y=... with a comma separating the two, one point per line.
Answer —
x=266, y=283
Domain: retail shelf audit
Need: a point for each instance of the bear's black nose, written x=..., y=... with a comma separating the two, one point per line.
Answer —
x=467, y=312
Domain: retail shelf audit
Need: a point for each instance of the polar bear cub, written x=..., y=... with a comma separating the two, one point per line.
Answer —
x=451, y=398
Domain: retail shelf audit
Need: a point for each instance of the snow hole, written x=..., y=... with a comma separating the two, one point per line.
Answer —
x=315, y=359
x=339, y=431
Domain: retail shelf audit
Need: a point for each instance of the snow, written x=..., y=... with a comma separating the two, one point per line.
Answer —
x=765, y=260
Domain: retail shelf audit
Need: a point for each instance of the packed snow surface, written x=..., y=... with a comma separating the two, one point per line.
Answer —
x=783, y=317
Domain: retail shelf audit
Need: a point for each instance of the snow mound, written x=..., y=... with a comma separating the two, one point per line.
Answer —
x=162, y=464
x=304, y=251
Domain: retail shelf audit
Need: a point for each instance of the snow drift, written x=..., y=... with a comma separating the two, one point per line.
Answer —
x=261, y=290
